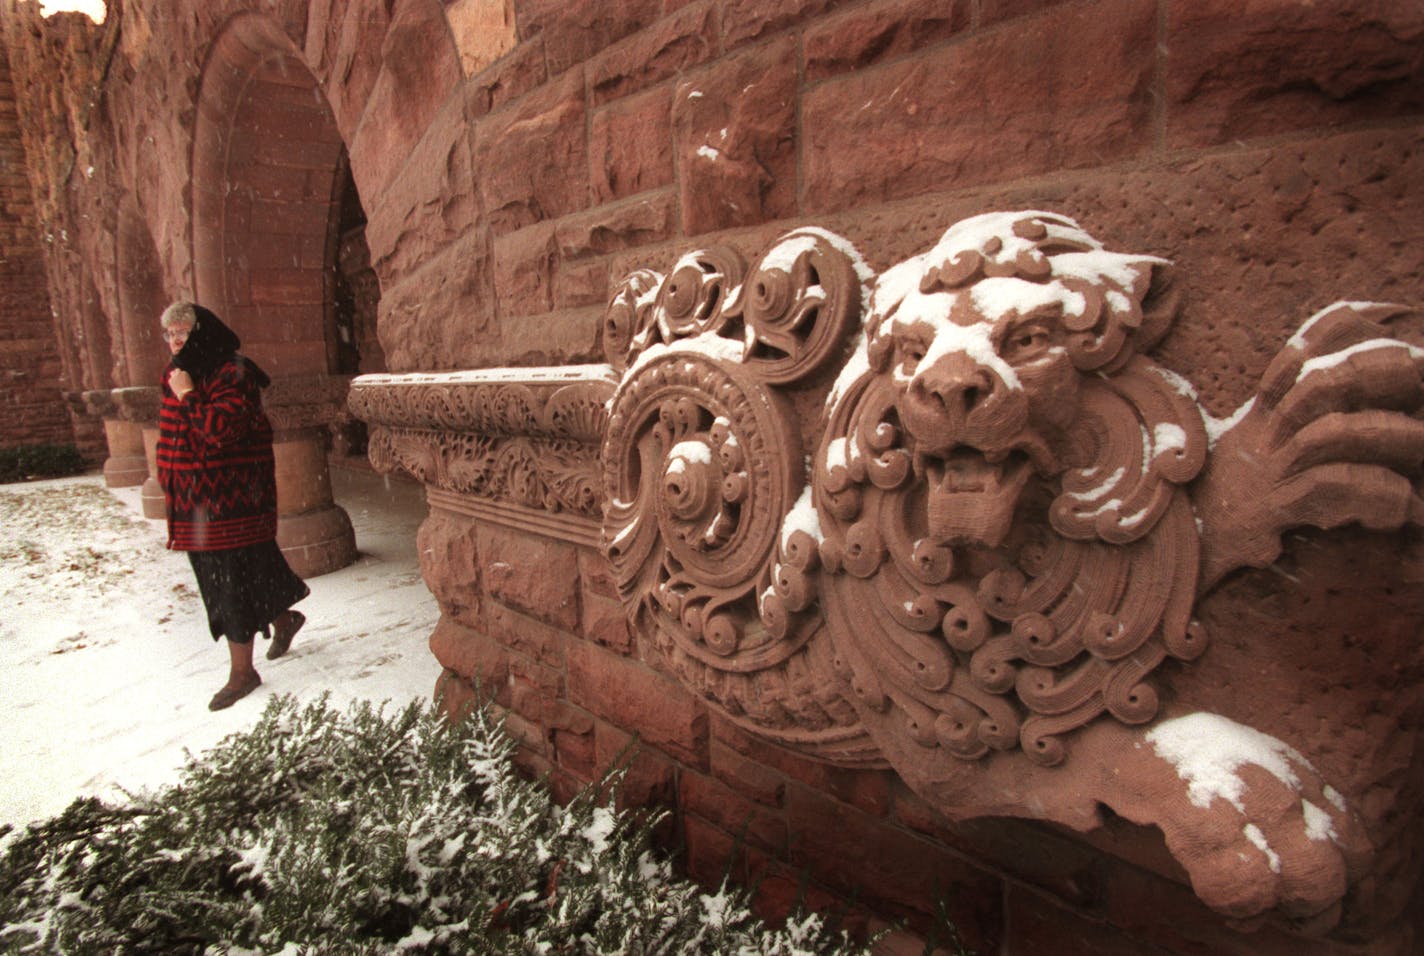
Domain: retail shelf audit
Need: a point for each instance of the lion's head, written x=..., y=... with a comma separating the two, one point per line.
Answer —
x=1001, y=382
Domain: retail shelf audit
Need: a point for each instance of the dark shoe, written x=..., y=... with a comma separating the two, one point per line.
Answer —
x=282, y=636
x=230, y=695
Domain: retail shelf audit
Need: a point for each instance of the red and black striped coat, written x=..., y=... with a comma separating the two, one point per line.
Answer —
x=215, y=461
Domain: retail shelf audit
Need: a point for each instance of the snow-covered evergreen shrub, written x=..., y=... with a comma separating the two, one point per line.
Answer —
x=319, y=832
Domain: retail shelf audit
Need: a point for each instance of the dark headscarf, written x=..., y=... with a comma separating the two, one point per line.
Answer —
x=209, y=345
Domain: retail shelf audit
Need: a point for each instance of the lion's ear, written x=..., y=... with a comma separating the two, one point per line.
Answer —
x=1160, y=308
x=1128, y=309
x=1143, y=436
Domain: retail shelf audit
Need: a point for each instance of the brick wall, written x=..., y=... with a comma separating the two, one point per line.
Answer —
x=32, y=408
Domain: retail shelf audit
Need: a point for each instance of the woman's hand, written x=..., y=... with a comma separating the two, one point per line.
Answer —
x=181, y=383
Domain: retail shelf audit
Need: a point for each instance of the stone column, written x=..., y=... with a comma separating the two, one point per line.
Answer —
x=138, y=410
x=125, y=466
x=313, y=531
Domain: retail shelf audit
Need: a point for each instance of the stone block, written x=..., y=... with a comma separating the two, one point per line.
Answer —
x=534, y=640
x=867, y=790
x=606, y=624
x=1068, y=88
x=420, y=70
x=595, y=573
x=887, y=867
x=630, y=696
x=484, y=31
x=532, y=157
x=723, y=806
x=472, y=655
x=568, y=337
x=745, y=21
x=649, y=778
x=734, y=126
x=524, y=267
x=343, y=47
x=581, y=284
x=881, y=31
x=752, y=779
x=667, y=47
x=438, y=317
x=635, y=222
x=574, y=30
x=1277, y=66
x=534, y=574
x=997, y=11
x=430, y=204
x=449, y=563
x=513, y=75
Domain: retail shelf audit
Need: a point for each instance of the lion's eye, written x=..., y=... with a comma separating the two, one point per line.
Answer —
x=1026, y=343
x=912, y=352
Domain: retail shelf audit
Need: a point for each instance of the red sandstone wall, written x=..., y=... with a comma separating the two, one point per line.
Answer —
x=32, y=408
x=516, y=159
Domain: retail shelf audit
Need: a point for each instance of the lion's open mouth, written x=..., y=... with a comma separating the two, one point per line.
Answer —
x=970, y=498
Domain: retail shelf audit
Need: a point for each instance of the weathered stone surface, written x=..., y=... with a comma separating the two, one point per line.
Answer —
x=524, y=267
x=745, y=21
x=669, y=46
x=483, y=30
x=536, y=575
x=420, y=69
x=637, y=222
x=434, y=318
x=509, y=78
x=573, y=30
x=605, y=624
x=532, y=157
x=429, y=204
x=635, y=698
x=449, y=563
x=630, y=146
x=854, y=855
x=534, y=640
x=1277, y=66
x=882, y=31
x=567, y=337
x=735, y=128
x=1068, y=88
x=720, y=804
x=473, y=656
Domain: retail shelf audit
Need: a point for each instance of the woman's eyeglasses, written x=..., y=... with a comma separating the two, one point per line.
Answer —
x=176, y=335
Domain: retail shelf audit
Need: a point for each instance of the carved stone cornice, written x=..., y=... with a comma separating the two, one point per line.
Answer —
x=316, y=401
x=99, y=402
x=515, y=446
x=138, y=403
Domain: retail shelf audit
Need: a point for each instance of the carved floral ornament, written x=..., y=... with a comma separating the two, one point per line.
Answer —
x=523, y=436
x=973, y=566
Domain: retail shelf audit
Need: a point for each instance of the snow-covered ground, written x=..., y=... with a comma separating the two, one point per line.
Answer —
x=107, y=665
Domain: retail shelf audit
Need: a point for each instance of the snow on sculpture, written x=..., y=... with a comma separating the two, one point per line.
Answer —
x=974, y=566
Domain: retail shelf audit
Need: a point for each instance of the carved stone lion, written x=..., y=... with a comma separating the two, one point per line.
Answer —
x=977, y=570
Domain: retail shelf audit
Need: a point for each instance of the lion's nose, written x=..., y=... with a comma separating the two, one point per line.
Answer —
x=957, y=384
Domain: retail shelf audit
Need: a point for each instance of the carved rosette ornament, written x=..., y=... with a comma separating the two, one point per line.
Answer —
x=982, y=552
x=702, y=461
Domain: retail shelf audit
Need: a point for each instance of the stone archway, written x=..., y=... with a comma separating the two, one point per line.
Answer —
x=266, y=217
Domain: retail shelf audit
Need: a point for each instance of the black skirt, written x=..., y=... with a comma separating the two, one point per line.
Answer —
x=244, y=589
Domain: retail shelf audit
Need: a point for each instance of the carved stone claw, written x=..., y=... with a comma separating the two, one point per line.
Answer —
x=1333, y=437
x=1254, y=824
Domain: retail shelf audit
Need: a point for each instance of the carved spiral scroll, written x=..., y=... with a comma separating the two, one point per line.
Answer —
x=701, y=463
x=797, y=304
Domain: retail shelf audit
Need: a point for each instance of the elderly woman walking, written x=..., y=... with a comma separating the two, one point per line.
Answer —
x=216, y=469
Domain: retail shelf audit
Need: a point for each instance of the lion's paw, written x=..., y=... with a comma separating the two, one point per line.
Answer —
x=1253, y=822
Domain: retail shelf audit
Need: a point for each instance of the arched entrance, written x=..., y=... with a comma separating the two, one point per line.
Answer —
x=270, y=197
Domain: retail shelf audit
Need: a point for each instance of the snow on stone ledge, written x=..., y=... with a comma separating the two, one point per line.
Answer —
x=485, y=376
